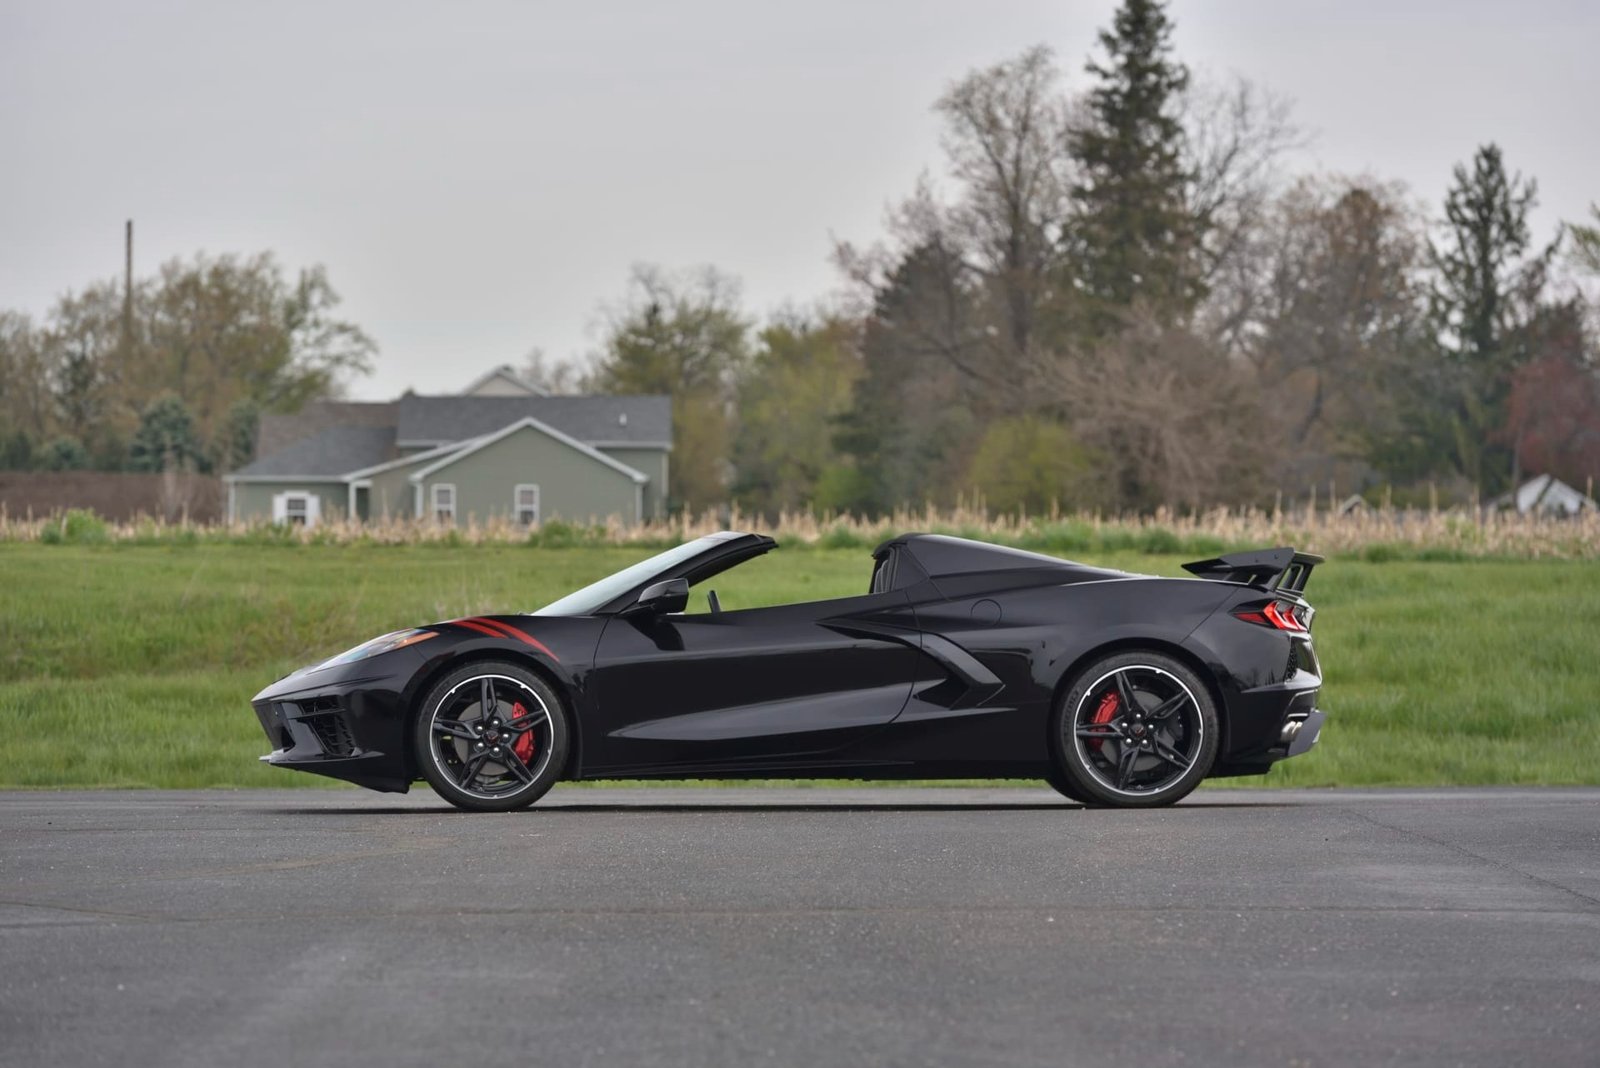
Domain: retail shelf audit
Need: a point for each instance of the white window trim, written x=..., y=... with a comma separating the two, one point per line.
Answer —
x=433, y=499
x=516, y=502
x=280, y=506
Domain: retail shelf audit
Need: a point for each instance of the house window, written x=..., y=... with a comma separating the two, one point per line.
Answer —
x=525, y=504
x=444, y=502
x=297, y=508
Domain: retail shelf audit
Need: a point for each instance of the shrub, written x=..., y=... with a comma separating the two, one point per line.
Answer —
x=554, y=535
x=1160, y=540
x=1032, y=464
x=1066, y=537
x=841, y=537
x=78, y=526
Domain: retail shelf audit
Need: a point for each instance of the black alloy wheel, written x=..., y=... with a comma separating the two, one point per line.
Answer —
x=491, y=737
x=1136, y=729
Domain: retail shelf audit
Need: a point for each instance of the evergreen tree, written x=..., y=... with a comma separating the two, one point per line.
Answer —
x=911, y=418
x=64, y=454
x=1132, y=235
x=165, y=439
x=1487, y=288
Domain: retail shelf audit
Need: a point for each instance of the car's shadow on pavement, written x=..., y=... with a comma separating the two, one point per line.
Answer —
x=694, y=807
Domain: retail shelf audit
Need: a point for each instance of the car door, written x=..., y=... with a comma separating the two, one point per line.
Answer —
x=762, y=686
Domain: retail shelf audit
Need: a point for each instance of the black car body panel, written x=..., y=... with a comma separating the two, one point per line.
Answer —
x=950, y=664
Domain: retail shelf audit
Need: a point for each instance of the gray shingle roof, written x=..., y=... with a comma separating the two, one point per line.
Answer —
x=331, y=452
x=632, y=419
x=280, y=431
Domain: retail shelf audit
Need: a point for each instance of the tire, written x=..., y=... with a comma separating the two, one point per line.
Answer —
x=491, y=755
x=1066, y=787
x=1155, y=756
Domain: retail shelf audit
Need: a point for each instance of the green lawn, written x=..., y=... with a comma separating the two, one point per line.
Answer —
x=133, y=666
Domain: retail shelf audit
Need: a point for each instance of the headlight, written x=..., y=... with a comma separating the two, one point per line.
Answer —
x=386, y=644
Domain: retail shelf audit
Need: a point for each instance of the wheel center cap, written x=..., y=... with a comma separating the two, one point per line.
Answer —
x=493, y=736
x=1138, y=728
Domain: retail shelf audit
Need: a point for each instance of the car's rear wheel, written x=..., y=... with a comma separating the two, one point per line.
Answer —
x=491, y=737
x=1135, y=729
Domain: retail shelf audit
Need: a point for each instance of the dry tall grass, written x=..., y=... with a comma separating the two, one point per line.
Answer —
x=1375, y=534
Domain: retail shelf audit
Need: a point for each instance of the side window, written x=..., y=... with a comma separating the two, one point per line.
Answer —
x=444, y=502
x=525, y=504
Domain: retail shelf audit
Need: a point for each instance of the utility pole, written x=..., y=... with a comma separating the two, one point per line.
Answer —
x=127, y=292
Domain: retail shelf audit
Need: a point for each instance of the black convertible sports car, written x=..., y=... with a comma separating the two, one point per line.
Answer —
x=962, y=659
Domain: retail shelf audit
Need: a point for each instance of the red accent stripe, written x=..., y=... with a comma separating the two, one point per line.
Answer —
x=513, y=632
x=470, y=625
x=493, y=624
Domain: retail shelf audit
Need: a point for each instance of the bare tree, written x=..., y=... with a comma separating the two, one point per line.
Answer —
x=1173, y=419
x=1005, y=128
x=1235, y=138
x=1338, y=318
x=991, y=271
x=554, y=376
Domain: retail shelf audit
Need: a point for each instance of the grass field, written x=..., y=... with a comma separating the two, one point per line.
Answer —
x=130, y=665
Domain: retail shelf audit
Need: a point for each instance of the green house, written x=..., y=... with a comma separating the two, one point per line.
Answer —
x=496, y=451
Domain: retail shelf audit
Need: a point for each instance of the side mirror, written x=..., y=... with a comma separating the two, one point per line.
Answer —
x=659, y=598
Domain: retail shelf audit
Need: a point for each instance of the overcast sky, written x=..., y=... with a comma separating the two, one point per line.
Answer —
x=479, y=177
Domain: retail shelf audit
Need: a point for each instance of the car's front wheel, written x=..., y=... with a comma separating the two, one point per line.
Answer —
x=1135, y=729
x=491, y=737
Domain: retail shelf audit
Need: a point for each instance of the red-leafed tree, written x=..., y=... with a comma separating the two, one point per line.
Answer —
x=1553, y=413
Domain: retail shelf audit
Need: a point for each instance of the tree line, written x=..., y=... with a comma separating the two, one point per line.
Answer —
x=1114, y=298
x=173, y=371
x=1110, y=294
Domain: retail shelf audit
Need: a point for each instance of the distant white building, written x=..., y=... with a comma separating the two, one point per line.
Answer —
x=503, y=381
x=1545, y=495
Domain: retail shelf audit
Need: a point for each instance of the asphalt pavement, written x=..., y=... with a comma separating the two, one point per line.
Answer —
x=694, y=926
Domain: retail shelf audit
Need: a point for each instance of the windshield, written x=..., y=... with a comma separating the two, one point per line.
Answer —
x=594, y=596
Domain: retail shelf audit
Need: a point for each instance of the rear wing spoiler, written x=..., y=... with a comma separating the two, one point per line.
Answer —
x=1271, y=569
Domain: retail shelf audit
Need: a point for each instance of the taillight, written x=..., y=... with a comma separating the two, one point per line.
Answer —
x=1280, y=614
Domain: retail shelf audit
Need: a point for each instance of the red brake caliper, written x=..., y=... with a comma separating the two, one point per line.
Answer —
x=1106, y=711
x=524, y=744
